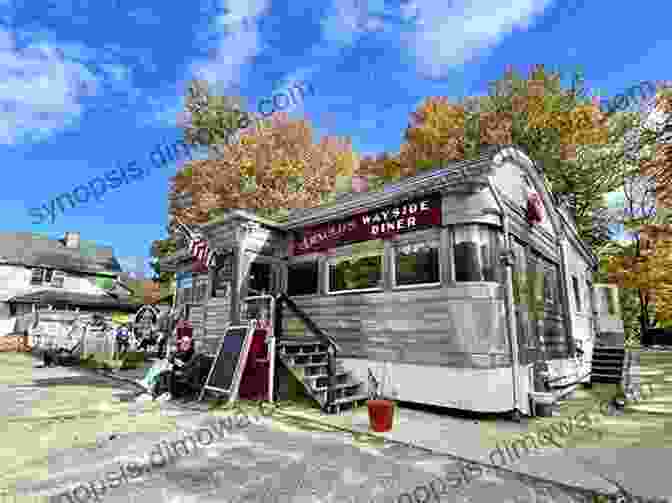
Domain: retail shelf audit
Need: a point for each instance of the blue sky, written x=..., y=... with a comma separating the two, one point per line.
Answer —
x=85, y=89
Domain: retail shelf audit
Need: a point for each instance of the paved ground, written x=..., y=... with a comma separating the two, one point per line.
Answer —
x=271, y=459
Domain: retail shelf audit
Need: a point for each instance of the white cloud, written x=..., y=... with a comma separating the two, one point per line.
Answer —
x=37, y=91
x=235, y=50
x=236, y=42
x=445, y=35
x=43, y=83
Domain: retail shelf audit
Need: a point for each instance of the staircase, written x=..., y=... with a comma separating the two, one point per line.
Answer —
x=607, y=364
x=307, y=359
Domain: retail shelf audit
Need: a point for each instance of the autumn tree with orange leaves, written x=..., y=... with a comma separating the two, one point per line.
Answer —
x=267, y=171
x=559, y=127
x=644, y=265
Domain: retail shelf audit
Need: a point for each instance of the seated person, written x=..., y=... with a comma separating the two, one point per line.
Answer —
x=183, y=354
x=58, y=354
x=148, y=339
x=123, y=339
x=194, y=373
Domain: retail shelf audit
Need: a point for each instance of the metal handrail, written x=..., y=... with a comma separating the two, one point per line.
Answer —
x=281, y=299
x=322, y=334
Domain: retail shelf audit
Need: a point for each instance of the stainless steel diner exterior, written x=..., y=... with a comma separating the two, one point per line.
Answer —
x=440, y=281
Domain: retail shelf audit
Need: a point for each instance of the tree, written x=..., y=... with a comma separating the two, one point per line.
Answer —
x=268, y=170
x=210, y=120
x=644, y=264
x=656, y=141
x=162, y=248
x=580, y=152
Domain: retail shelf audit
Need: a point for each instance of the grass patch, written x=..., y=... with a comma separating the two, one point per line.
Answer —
x=66, y=416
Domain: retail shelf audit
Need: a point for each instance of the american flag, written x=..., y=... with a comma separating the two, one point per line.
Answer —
x=198, y=246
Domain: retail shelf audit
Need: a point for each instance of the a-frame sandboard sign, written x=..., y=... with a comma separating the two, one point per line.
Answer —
x=229, y=365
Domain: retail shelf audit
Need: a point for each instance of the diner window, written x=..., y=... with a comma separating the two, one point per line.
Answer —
x=36, y=276
x=302, y=278
x=417, y=264
x=577, y=293
x=520, y=291
x=477, y=249
x=358, y=271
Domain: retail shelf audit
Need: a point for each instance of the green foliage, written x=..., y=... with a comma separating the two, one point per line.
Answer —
x=162, y=248
x=213, y=119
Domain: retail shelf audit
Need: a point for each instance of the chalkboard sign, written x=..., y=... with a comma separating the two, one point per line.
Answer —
x=229, y=364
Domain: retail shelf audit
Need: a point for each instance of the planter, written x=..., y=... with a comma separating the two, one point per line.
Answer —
x=381, y=413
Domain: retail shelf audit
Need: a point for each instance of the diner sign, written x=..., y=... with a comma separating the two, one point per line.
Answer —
x=377, y=224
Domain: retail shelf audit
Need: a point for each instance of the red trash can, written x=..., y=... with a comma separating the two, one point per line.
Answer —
x=381, y=413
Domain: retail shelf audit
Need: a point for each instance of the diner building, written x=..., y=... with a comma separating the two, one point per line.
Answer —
x=468, y=284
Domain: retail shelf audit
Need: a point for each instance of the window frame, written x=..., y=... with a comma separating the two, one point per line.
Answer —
x=492, y=230
x=345, y=251
x=422, y=237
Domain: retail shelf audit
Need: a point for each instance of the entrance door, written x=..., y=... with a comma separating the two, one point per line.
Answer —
x=260, y=280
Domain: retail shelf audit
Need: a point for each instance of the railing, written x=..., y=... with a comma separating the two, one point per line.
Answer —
x=281, y=300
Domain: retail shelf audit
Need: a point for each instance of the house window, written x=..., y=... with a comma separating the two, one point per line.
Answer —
x=362, y=269
x=417, y=264
x=477, y=249
x=302, y=278
x=577, y=293
x=36, y=276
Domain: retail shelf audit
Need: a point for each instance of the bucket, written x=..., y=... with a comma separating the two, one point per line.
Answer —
x=381, y=413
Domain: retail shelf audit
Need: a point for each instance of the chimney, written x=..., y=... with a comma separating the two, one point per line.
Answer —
x=71, y=239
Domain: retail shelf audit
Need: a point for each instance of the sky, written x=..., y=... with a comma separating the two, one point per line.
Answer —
x=85, y=90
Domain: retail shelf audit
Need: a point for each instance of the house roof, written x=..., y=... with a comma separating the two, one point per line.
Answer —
x=34, y=250
x=74, y=299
